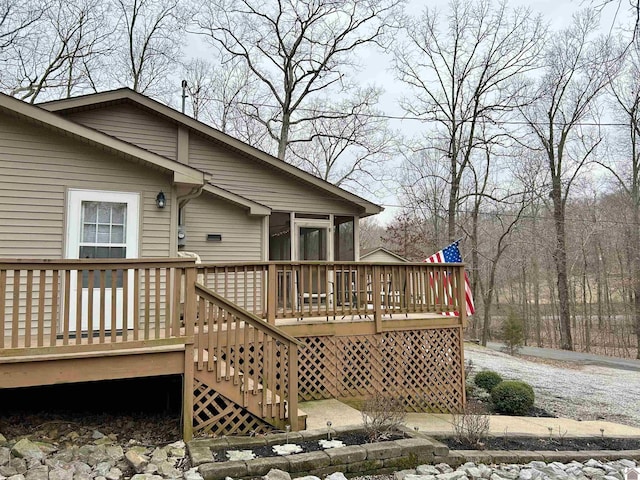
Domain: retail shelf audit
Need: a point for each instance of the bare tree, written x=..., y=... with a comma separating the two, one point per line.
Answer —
x=17, y=18
x=625, y=90
x=460, y=76
x=371, y=233
x=297, y=50
x=55, y=61
x=347, y=149
x=220, y=95
x=577, y=70
x=149, y=42
x=423, y=190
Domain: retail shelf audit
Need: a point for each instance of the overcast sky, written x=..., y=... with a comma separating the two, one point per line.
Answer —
x=557, y=12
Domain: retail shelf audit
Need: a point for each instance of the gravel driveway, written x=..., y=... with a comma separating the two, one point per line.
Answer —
x=568, y=389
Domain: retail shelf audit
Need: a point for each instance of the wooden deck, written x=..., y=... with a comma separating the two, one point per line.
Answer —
x=249, y=339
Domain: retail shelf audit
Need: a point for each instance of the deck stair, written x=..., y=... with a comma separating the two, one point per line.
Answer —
x=243, y=359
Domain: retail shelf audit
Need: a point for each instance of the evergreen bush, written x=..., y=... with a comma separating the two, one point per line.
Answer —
x=512, y=332
x=487, y=379
x=513, y=398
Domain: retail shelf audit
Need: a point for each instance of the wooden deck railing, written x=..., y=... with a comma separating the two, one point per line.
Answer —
x=241, y=348
x=273, y=290
x=85, y=303
x=72, y=305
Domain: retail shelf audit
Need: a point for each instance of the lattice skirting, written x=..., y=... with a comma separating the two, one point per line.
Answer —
x=215, y=414
x=424, y=367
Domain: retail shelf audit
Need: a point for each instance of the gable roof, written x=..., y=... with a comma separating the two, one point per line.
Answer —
x=181, y=173
x=123, y=95
x=370, y=251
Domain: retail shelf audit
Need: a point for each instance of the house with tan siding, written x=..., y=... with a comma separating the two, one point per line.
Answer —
x=137, y=241
x=252, y=207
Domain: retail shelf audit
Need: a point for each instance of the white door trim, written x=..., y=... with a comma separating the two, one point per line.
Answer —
x=75, y=198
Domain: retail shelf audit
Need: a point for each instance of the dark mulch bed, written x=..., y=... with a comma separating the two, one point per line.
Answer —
x=554, y=444
x=502, y=443
x=349, y=438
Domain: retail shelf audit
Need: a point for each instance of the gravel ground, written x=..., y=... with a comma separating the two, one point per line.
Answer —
x=568, y=389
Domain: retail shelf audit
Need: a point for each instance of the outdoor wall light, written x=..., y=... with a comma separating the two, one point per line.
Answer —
x=161, y=201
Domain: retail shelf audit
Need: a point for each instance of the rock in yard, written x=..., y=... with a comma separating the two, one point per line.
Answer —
x=276, y=474
x=25, y=448
x=138, y=461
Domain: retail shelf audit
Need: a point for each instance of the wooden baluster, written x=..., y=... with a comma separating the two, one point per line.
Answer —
x=67, y=307
x=282, y=383
x=136, y=304
x=245, y=291
x=201, y=341
x=246, y=356
x=90, y=310
x=28, y=312
x=377, y=298
x=78, y=318
x=15, y=324
x=175, y=312
x=103, y=306
x=147, y=303
x=266, y=373
x=114, y=305
x=54, y=307
x=157, y=299
x=167, y=303
x=41, y=307
x=125, y=304
x=212, y=336
x=3, y=296
x=236, y=350
x=255, y=337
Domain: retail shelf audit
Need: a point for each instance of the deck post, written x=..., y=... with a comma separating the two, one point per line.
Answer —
x=271, y=294
x=187, y=379
x=187, y=393
x=293, y=387
x=376, y=291
x=462, y=315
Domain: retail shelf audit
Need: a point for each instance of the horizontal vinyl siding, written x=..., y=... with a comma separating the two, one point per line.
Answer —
x=241, y=234
x=36, y=168
x=261, y=183
x=132, y=125
x=380, y=257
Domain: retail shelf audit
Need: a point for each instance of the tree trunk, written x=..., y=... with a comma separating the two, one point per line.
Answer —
x=635, y=239
x=283, y=141
x=560, y=260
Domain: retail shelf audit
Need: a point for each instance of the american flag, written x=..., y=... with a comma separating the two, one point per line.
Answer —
x=451, y=254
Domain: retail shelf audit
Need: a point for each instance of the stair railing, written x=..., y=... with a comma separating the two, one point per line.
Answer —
x=240, y=347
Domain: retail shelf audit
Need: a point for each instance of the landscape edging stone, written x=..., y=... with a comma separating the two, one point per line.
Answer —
x=381, y=457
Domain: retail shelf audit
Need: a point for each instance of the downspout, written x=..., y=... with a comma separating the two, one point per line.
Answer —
x=182, y=202
x=194, y=193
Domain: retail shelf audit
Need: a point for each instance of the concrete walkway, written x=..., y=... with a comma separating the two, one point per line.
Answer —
x=320, y=412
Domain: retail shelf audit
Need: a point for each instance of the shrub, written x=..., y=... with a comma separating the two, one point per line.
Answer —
x=471, y=427
x=513, y=398
x=487, y=379
x=382, y=416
